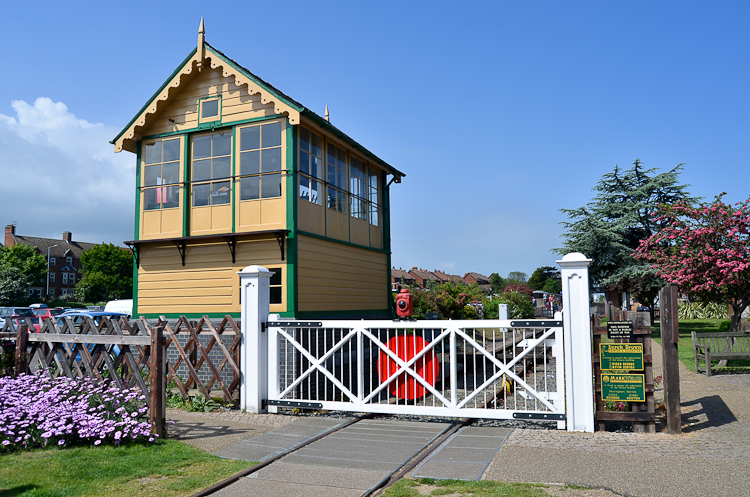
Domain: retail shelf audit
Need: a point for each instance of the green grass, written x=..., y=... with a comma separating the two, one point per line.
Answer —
x=484, y=488
x=685, y=345
x=165, y=468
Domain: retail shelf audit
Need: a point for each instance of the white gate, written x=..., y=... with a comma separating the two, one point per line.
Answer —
x=486, y=369
x=503, y=369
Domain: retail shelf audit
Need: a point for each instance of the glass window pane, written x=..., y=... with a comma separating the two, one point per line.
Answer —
x=151, y=175
x=275, y=295
x=316, y=147
x=304, y=188
x=220, y=193
x=331, y=155
x=201, y=170
x=271, y=185
x=250, y=138
x=276, y=276
x=153, y=153
x=316, y=168
x=171, y=150
x=250, y=162
x=304, y=139
x=271, y=160
x=201, y=147
x=201, y=195
x=304, y=163
x=315, y=196
x=173, y=197
x=374, y=215
x=340, y=178
x=331, y=174
x=222, y=143
x=271, y=135
x=149, y=199
x=210, y=108
x=171, y=173
x=250, y=188
x=222, y=168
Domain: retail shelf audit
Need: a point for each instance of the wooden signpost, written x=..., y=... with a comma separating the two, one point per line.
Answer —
x=623, y=370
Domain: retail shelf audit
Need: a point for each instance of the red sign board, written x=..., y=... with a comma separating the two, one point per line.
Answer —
x=406, y=347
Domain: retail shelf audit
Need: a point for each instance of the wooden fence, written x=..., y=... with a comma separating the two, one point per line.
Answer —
x=195, y=357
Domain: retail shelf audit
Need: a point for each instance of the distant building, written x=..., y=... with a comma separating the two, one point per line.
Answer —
x=64, y=261
x=422, y=276
x=479, y=279
x=400, y=277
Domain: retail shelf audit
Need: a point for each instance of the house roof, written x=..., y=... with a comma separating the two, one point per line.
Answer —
x=283, y=104
x=400, y=273
x=478, y=276
x=63, y=249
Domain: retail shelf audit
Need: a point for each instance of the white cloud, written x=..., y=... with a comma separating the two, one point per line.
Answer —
x=60, y=173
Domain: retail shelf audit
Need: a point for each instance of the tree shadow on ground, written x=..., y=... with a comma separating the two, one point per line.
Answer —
x=11, y=492
x=711, y=413
x=192, y=430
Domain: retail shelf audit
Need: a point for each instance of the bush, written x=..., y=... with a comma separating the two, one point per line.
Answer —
x=38, y=411
x=450, y=300
x=519, y=306
x=700, y=310
x=724, y=325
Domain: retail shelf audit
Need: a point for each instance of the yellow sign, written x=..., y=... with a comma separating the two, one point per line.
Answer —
x=621, y=356
x=626, y=387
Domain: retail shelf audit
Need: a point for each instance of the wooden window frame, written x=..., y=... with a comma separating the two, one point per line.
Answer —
x=344, y=189
x=239, y=175
x=228, y=179
x=145, y=189
x=309, y=176
x=211, y=119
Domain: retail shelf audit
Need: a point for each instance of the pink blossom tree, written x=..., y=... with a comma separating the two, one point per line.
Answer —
x=705, y=250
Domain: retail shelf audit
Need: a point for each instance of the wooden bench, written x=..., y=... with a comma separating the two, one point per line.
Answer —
x=720, y=346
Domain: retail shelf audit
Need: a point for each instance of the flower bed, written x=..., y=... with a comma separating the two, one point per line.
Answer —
x=39, y=411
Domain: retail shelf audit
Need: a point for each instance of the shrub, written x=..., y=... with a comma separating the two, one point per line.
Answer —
x=700, y=310
x=39, y=411
x=519, y=306
x=520, y=288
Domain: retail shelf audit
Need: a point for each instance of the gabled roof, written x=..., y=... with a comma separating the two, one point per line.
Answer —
x=63, y=248
x=283, y=104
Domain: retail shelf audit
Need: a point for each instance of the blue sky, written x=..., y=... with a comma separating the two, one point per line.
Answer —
x=500, y=113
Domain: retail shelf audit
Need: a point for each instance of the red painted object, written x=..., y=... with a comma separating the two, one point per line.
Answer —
x=427, y=366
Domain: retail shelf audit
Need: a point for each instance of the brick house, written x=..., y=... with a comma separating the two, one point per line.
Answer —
x=64, y=261
x=400, y=277
x=422, y=276
x=481, y=280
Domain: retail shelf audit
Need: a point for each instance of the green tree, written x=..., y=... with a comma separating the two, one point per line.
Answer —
x=32, y=264
x=107, y=274
x=13, y=284
x=497, y=283
x=610, y=227
x=540, y=276
x=519, y=306
x=517, y=277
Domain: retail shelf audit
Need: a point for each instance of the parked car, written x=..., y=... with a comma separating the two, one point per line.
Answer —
x=5, y=312
x=18, y=316
x=43, y=313
x=124, y=306
x=79, y=317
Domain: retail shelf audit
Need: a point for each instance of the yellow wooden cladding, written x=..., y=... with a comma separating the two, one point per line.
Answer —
x=210, y=219
x=183, y=106
x=311, y=217
x=336, y=277
x=208, y=283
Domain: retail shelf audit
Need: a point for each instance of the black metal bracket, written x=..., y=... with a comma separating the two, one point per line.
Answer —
x=280, y=238
x=539, y=415
x=295, y=324
x=536, y=323
x=232, y=242
x=134, y=249
x=180, y=244
x=292, y=403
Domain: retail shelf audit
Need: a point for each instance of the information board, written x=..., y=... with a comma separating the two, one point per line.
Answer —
x=620, y=329
x=625, y=387
x=621, y=356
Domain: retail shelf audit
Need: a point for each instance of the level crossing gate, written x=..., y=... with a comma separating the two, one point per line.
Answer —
x=501, y=369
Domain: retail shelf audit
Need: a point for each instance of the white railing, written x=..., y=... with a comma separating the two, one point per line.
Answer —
x=530, y=369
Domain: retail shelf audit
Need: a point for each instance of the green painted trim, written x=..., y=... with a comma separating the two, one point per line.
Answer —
x=209, y=124
x=186, y=185
x=292, y=296
x=235, y=181
x=223, y=125
x=369, y=314
x=164, y=85
x=387, y=239
x=350, y=244
x=287, y=100
x=137, y=227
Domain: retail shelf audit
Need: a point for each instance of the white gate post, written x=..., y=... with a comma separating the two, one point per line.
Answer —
x=579, y=383
x=255, y=297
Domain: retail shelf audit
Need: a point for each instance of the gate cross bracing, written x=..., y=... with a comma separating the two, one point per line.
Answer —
x=502, y=369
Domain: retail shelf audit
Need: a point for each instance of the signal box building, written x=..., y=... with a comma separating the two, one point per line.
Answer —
x=232, y=172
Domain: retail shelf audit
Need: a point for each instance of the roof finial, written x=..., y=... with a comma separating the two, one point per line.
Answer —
x=327, y=116
x=201, y=41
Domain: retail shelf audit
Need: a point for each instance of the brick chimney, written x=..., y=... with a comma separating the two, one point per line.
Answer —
x=10, y=230
x=67, y=236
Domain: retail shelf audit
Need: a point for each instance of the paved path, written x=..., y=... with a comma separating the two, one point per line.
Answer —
x=711, y=457
x=346, y=463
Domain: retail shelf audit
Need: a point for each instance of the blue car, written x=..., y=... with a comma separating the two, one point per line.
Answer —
x=79, y=318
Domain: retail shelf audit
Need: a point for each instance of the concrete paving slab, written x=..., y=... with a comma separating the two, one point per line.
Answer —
x=385, y=438
x=320, y=475
x=485, y=431
x=270, y=488
x=247, y=452
x=481, y=442
x=369, y=448
x=358, y=455
x=450, y=470
x=334, y=462
x=464, y=454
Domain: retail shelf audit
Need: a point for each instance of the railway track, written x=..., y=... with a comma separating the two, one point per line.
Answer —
x=376, y=489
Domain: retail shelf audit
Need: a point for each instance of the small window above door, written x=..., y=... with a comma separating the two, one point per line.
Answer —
x=210, y=110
